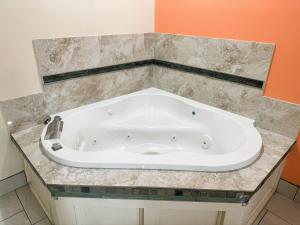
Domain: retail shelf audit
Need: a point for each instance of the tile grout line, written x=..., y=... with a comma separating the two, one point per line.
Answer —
x=23, y=207
x=12, y=215
x=263, y=216
x=280, y=217
x=40, y=220
x=290, y=183
x=11, y=176
x=296, y=194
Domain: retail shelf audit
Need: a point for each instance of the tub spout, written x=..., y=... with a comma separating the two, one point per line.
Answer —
x=54, y=129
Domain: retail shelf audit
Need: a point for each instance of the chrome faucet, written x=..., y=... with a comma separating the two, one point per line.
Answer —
x=54, y=128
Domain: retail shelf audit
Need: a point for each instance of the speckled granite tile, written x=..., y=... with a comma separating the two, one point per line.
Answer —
x=31, y=110
x=29, y=136
x=117, y=49
x=237, y=98
x=149, y=44
x=279, y=116
x=56, y=174
x=24, y=112
x=242, y=58
x=246, y=179
x=73, y=93
x=61, y=55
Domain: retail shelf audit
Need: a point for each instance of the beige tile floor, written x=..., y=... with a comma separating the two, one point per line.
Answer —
x=283, y=208
x=280, y=210
x=20, y=207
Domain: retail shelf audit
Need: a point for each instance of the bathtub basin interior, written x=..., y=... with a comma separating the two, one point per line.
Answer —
x=154, y=129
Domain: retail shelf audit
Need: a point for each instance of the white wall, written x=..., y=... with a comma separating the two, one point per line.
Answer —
x=24, y=20
x=10, y=158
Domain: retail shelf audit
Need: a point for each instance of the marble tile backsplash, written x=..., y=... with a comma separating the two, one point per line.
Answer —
x=271, y=114
x=279, y=116
x=118, y=49
x=241, y=58
x=31, y=110
x=237, y=98
x=248, y=59
x=68, y=94
x=24, y=112
x=62, y=55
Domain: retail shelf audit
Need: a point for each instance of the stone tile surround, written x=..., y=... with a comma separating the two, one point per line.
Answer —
x=237, y=58
x=230, y=56
x=60, y=55
x=241, y=58
x=31, y=110
x=275, y=115
x=279, y=116
x=66, y=54
x=240, y=99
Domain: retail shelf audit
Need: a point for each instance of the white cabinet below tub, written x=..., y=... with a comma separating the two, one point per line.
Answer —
x=122, y=212
x=98, y=211
x=103, y=215
x=106, y=215
x=179, y=217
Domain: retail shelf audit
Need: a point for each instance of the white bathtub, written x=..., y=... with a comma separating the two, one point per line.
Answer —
x=154, y=129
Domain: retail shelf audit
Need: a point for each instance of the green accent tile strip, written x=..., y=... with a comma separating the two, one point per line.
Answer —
x=141, y=193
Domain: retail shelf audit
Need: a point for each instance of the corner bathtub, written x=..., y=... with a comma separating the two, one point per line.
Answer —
x=154, y=129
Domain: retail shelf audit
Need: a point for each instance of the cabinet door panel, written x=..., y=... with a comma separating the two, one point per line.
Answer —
x=107, y=216
x=179, y=217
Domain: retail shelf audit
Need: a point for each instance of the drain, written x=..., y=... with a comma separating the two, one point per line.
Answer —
x=151, y=153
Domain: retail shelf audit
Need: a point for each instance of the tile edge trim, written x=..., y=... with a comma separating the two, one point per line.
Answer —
x=176, y=66
x=95, y=71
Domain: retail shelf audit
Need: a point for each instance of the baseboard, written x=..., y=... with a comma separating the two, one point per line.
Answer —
x=13, y=182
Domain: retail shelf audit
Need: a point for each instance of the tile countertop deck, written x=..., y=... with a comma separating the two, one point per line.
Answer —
x=232, y=186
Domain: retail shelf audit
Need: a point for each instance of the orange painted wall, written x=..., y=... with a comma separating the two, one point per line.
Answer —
x=291, y=171
x=255, y=20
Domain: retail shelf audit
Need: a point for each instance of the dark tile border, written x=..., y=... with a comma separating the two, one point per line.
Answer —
x=210, y=73
x=142, y=193
x=180, y=67
x=94, y=71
